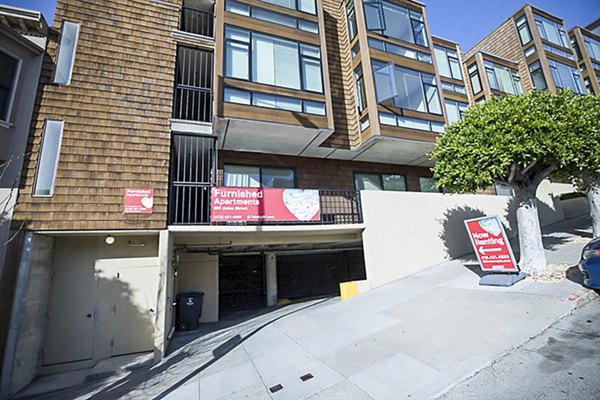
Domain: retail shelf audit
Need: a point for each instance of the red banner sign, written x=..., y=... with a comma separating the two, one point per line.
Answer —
x=235, y=204
x=138, y=201
x=491, y=244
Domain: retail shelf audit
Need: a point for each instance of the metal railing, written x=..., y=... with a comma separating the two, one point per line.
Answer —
x=190, y=204
x=193, y=85
x=197, y=21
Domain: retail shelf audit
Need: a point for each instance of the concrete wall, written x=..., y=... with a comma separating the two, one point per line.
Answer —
x=575, y=207
x=407, y=232
x=23, y=354
x=199, y=272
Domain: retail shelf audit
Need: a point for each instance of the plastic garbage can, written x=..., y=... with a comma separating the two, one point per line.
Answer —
x=189, y=310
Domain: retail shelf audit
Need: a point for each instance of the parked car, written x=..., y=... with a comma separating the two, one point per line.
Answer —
x=590, y=264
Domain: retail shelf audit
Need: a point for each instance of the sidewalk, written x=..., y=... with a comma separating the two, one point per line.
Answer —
x=413, y=338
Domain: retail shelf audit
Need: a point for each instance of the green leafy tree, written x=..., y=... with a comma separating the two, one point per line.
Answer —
x=517, y=141
x=585, y=169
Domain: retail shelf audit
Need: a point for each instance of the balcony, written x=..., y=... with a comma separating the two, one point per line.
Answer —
x=193, y=86
x=197, y=21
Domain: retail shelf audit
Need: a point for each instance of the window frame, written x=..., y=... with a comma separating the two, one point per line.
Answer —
x=520, y=23
x=304, y=103
x=41, y=158
x=252, y=9
x=560, y=30
x=296, y=6
x=60, y=51
x=437, y=190
x=535, y=68
x=473, y=71
x=251, y=50
x=448, y=59
x=260, y=174
x=491, y=68
x=458, y=105
x=12, y=89
x=573, y=72
x=380, y=176
x=414, y=22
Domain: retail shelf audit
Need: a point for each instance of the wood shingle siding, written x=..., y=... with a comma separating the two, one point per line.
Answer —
x=116, y=114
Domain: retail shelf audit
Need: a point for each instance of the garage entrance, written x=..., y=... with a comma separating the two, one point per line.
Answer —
x=241, y=282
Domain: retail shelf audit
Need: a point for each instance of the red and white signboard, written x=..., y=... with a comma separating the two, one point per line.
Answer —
x=237, y=204
x=138, y=201
x=491, y=244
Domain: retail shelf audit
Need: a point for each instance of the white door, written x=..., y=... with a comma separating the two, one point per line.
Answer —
x=71, y=317
x=135, y=308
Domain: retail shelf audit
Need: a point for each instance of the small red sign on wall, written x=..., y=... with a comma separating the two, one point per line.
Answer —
x=138, y=201
x=491, y=244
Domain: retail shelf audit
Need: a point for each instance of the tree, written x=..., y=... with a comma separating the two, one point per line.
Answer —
x=517, y=141
x=585, y=170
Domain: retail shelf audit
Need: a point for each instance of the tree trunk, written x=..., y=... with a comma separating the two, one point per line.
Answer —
x=593, y=195
x=533, y=259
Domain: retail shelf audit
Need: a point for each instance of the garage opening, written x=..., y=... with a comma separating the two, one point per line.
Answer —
x=241, y=282
x=317, y=274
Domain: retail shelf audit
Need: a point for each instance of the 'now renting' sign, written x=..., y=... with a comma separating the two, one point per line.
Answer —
x=491, y=244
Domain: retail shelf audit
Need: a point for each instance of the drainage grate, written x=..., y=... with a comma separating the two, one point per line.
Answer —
x=306, y=377
x=276, y=388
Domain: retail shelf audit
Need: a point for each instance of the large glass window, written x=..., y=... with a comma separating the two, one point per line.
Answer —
x=562, y=53
x=455, y=110
x=566, y=76
x=372, y=181
x=270, y=16
x=427, y=184
x=593, y=47
x=537, y=75
x=523, y=28
x=48, y=159
x=503, y=78
x=66, y=53
x=307, y=6
x=255, y=176
x=351, y=16
x=410, y=122
x=399, y=50
x=10, y=67
x=237, y=96
x=410, y=89
x=453, y=87
x=475, y=79
x=395, y=21
x=272, y=61
x=447, y=63
x=551, y=31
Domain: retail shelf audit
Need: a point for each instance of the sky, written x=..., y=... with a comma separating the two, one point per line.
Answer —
x=463, y=21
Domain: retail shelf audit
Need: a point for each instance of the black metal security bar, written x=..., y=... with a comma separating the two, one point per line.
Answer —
x=193, y=173
x=193, y=87
x=197, y=21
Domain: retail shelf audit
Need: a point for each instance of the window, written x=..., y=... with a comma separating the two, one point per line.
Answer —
x=355, y=49
x=410, y=89
x=364, y=123
x=254, y=176
x=351, y=16
x=588, y=85
x=593, y=47
x=474, y=78
x=523, y=28
x=410, y=122
x=273, y=61
x=576, y=48
x=537, y=76
x=447, y=63
x=361, y=95
x=66, y=53
x=551, y=31
x=453, y=87
x=503, y=78
x=554, y=50
x=565, y=76
x=427, y=184
x=307, y=6
x=530, y=50
x=48, y=159
x=399, y=50
x=237, y=96
x=395, y=21
x=271, y=16
x=455, y=110
x=8, y=83
x=371, y=181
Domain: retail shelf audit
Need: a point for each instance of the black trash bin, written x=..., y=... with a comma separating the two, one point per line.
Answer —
x=189, y=310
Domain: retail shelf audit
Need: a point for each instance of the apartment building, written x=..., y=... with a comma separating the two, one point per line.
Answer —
x=586, y=45
x=219, y=147
x=530, y=50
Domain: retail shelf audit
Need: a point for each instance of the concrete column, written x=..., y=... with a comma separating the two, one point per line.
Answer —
x=271, y=277
x=164, y=300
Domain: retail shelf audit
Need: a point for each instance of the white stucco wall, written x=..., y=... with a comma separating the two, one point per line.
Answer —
x=407, y=232
x=199, y=272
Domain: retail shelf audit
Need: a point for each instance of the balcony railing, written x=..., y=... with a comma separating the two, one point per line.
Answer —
x=193, y=85
x=197, y=21
x=191, y=206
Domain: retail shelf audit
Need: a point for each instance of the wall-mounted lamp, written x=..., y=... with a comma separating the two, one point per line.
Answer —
x=109, y=239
